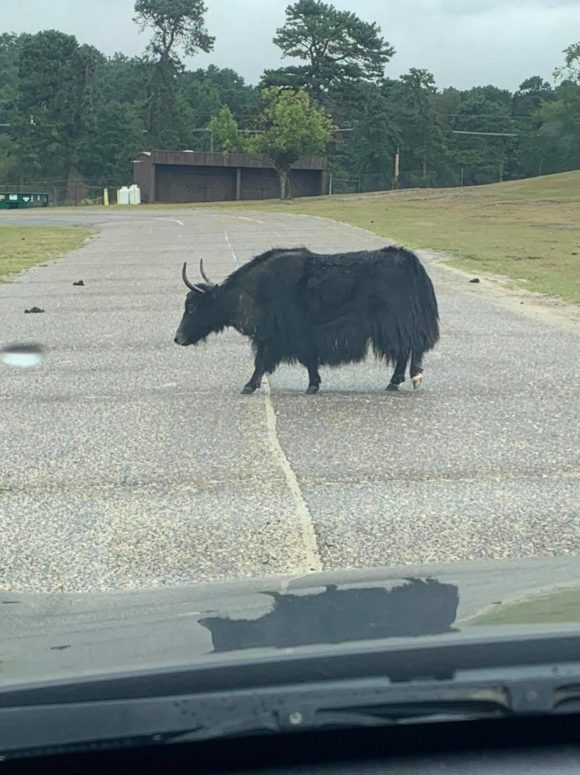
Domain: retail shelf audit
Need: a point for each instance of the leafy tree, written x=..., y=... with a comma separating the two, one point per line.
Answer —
x=365, y=144
x=227, y=136
x=487, y=156
x=338, y=47
x=530, y=95
x=110, y=144
x=530, y=150
x=178, y=26
x=9, y=52
x=206, y=91
x=168, y=115
x=9, y=86
x=292, y=127
x=124, y=79
x=571, y=67
x=419, y=131
x=9, y=162
x=55, y=102
x=558, y=131
x=559, y=118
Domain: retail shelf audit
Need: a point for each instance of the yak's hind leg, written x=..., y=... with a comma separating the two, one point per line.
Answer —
x=313, y=379
x=310, y=361
x=399, y=373
x=416, y=369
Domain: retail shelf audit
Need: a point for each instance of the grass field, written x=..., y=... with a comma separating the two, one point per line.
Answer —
x=560, y=606
x=24, y=246
x=528, y=230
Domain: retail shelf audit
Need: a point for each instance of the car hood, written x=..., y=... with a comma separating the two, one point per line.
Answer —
x=63, y=636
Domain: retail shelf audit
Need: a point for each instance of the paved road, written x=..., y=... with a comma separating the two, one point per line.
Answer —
x=128, y=462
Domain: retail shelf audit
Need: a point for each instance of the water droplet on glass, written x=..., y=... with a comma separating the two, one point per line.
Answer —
x=22, y=356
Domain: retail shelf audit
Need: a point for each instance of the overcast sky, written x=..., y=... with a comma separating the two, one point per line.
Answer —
x=463, y=42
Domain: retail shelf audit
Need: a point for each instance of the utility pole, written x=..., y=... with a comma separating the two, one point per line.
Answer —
x=397, y=168
x=210, y=132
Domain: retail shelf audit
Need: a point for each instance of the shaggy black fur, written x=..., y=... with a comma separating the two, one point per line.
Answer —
x=322, y=310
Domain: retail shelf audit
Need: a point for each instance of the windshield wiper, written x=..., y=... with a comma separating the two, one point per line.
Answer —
x=45, y=728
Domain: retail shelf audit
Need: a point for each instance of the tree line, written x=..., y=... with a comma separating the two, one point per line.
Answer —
x=71, y=116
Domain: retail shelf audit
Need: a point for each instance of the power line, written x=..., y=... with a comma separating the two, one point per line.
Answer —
x=488, y=115
x=487, y=134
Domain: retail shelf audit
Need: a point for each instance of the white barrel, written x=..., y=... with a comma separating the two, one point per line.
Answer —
x=134, y=194
x=123, y=196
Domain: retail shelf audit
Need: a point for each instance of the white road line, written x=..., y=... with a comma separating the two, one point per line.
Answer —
x=309, y=540
x=219, y=214
x=172, y=220
x=246, y=218
x=231, y=247
x=313, y=560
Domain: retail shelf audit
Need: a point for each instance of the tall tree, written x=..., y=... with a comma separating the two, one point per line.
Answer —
x=177, y=25
x=178, y=28
x=418, y=128
x=292, y=127
x=207, y=90
x=56, y=100
x=124, y=79
x=530, y=151
x=571, y=67
x=558, y=131
x=362, y=153
x=489, y=155
x=226, y=133
x=338, y=47
x=112, y=141
x=9, y=52
x=9, y=88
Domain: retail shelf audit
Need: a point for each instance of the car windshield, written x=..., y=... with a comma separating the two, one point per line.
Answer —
x=289, y=325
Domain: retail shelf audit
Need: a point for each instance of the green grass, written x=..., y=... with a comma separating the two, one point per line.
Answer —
x=24, y=246
x=527, y=230
x=561, y=606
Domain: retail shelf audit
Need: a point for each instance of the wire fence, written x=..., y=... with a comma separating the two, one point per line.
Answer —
x=450, y=178
x=81, y=192
x=77, y=192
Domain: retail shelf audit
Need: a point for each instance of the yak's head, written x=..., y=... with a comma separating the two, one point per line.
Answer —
x=203, y=311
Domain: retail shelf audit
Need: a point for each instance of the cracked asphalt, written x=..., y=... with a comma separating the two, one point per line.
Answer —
x=128, y=462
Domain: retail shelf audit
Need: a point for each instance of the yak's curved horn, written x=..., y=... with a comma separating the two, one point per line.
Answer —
x=203, y=274
x=191, y=286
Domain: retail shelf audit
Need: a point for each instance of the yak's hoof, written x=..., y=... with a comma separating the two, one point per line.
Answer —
x=391, y=387
x=312, y=389
x=249, y=389
x=416, y=380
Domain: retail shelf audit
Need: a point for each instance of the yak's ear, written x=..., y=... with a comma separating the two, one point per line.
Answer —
x=205, y=288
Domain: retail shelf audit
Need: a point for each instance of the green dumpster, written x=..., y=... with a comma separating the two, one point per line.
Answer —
x=13, y=200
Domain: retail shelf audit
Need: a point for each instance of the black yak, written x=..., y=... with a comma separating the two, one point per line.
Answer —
x=320, y=310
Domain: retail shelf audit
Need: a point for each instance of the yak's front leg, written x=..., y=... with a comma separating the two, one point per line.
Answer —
x=255, y=380
x=313, y=379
